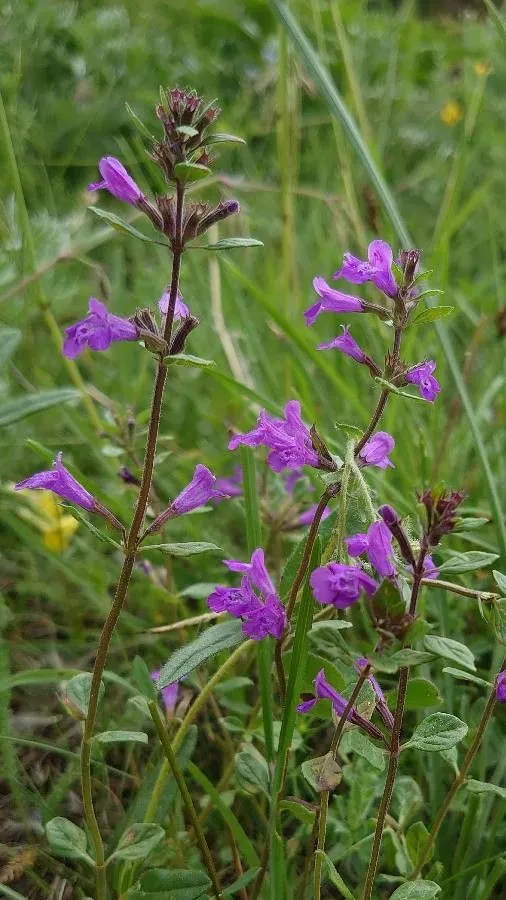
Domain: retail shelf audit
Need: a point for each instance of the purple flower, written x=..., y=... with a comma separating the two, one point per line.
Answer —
x=289, y=439
x=377, y=543
x=169, y=693
x=325, y=691
x=430, y=570
x=62, y=483
x=341, y=585
x=377, y=268
x=422, y=376
x=500, y=687
x=331, y=301
x=255, y=601
x=307, y=517
x=117, y=181
x=375, y=451
x=346, y=344
x=381, y=703
x=181, y=310
x=98, y=330
x=231, y=486
x=198, y=492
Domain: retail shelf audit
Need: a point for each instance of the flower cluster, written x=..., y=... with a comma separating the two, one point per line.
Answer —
x=255, y=601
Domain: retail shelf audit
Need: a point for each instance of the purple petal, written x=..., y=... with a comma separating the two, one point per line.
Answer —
x=331, y=301
x=375, y=451
x=357, y=544
x=60, y=482
x=117, y=181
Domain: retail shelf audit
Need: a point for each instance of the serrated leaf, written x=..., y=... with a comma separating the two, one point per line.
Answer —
x=232, y=244
x=219, y=637
x=190, y=172
x=116, y=737
x=186, y=359
x=439, y=731
x=220, y=137
x=416, y=890
x=252, y=770
x=450, y=649
x=432, y=315
x=77, y=694
x=355, y=742
x=485, y=787
x=120, y=224
x=173, y=884
x=138, y=841
x=500, y=580
x=468, y=562
x=189, y=548
x=466, y=676
x=28, y=404
x=331, y=874
x=9, y=340
x=66, y=839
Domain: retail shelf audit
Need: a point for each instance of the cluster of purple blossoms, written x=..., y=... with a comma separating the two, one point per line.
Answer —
x=255, y=601
x=341, y=585
x=376, y=268
x=289, y=439
x=422, y=376
x=377, y=544
x=325, y=691
x=98, y=330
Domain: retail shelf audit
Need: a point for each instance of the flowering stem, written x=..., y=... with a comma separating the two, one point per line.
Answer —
x=131, y=545
x=395, y=746
x=459, y=780
x=186, y=796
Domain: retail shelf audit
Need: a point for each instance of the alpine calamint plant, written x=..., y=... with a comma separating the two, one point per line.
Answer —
x=380, y=569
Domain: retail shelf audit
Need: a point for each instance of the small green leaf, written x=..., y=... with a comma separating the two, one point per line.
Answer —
x=172, y=884
x=189, y=548
x=138, y=122
x=219, y=637
x=101, y=535
x=439, y=731
x=356, y=742
x=252, y=770
x=9, y=340
x=416, y=839
x=351, y=430
x=408, y=798
x=66, y=839
x=422, y=693
x=190, y=172
x=28, y=404
x=395, y=390
x=241, y=882
x=77, y=694
x=116, y=737
x=468, y=562
x=187, y=130
x=141, y=677
x=138, y=841
x=416, y=890
x=433, y=314
x=451, y=756
x=470, y=524
x=331, y=874
x=500, y=580
x=221, y=137
x=450, y=649
x=120, y=225
x=300, y=810
x=432, y=292
x=485, y=787
x=466, y=676
x=185, y=359
x=408, y=657
x=231, y=244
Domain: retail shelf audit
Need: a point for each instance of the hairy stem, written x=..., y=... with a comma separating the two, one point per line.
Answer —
x=376, y=416
x=186, y=796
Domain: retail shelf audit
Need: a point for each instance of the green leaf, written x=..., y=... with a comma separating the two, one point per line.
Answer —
x=138, y=122
x=252, y=770
x=451, y=756
x=416, y=839
x=190, y=172
x=300, y=810
x=485, y=787
x=450, y=649
x=28, y=404
x=432, y=314
x=323, y=773
x=66, y=839
x=497, y=19
x=219, y=637
x=77, y=694
x=500, y=580
x=355, y=742
x=470, y=524
x=416, y=890
x=190, y=548
x=468, y=562
x=173, y=884
x=439, y=731
x=232, y=244
x=116, y=737
x=220, y=137
x=101, y=535
x=241, y=882
x=120, y=225
x=141, y=677
x=187, y=130
x=408, y=657
x=408, y=798
x=138, y=841
x=186, y=359
x=466, y=676
x=422, y=693
x=9, y=340
x=331, y=874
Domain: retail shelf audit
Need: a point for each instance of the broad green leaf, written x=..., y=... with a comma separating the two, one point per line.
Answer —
x=432, y=314
x=66, y=839
x=439, y=731
x=330, y=625
x=422, y=693
x=450, y=649
x=77, y=694
x=331, y=874
x=252, y=770
x=170, y=884
x=138, y=841
x=355, y=742
x=220, y=138
x=465, y=676
x=188, y=172
x=500, y=580
x=28, y=404
x=116, y=737
x=468, y=562
x=9, y=340
x=120, y=225
x=300, y=810
x=484, y=787
x=416, y=890
x=232, y=244
x=219, y=637
x=185, y=359
x=416, y=839
x=190, y=548
x=407, y=798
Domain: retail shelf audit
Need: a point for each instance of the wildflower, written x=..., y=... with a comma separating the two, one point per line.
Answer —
x=307, y=517
x=181, y=310
x=231, y=486
x=255, y=601
x=289, y=439
x=198, y=492
x=381, y=703
x=393, y=523
x=169, y=694
x=375, y=451
x=482, y=69
x=430, y=570
x=377, y=268
x=341, y=585
x=346, y=344
x=117, y=181
x=331, y=301
x=451, y=113
x=325, y=691
x=98, y=330
x=62, y=483
x=500, y=687
x=377, y=543
x=55, y=525
x=422, y=376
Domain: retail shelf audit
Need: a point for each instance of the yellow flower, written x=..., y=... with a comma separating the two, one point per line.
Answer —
x=451, y=113
x=482, y=69
x=54, y=523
